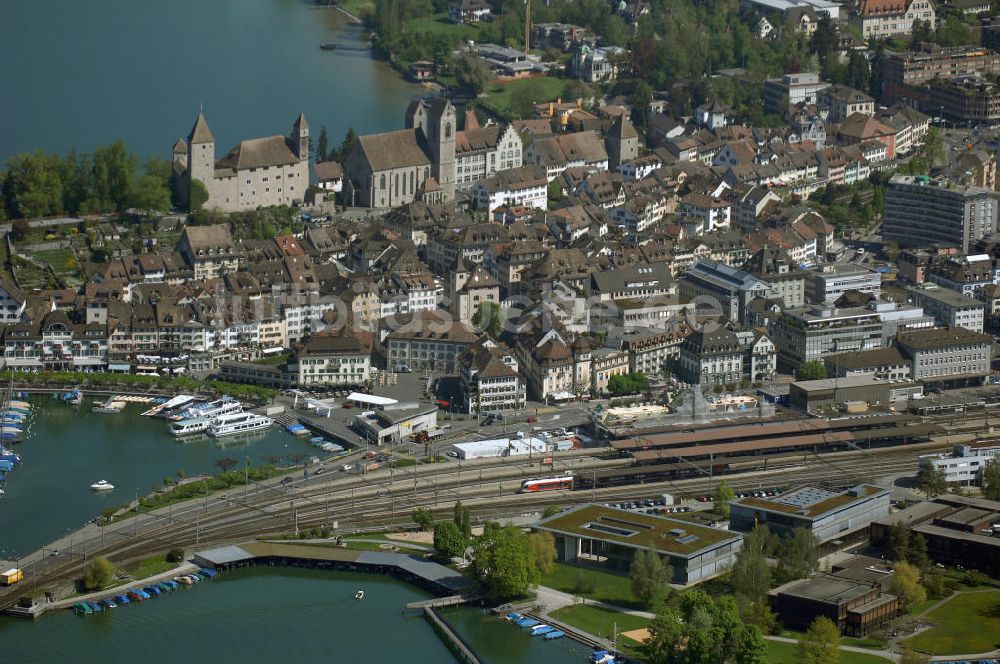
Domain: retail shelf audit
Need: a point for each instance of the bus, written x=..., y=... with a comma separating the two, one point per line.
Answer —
x=560, y=483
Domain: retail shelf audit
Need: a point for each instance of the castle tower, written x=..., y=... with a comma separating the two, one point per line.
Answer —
x=300, y=137
x=622, y=142
x=201, y=151
x=441, y=129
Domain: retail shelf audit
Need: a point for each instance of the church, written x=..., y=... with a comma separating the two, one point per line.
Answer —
x=429, y=160
x=258, y=172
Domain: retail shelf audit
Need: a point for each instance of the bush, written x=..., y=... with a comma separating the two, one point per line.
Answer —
x=175, y=555
x=583, y=584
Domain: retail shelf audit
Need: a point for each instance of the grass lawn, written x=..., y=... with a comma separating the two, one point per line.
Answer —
x=498, y=95
x=279, y=358
x=610, y=588
x=357, y=7
x=59, y=259
x=788, y=653
x=439, y=24
x=967, y=623
x=150, y=566
x=598, y=621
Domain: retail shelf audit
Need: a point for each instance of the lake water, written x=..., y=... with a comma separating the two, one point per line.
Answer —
x=86, y=72
x=271, y=616
x=67, y=448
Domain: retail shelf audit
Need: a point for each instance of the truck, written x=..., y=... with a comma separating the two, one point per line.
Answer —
x=11, y=576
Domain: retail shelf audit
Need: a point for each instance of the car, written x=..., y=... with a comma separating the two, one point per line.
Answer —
x=53, y=552
x=284, y=480
x=346, y=468
x=319, y=471
x=382, y=493
x=451, y=453
x=532, y=420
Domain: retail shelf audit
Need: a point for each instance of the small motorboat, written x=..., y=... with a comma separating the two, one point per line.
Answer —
x=541, y=630
x=602, y=657
x=328, y=47
x=555, y=634
x=526, y=622
x=359, y=595
x=513, y=617
x=107, y=603
x=102, y=485
x=122, y=599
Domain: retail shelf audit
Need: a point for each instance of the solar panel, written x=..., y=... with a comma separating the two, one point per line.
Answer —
x=687, y=539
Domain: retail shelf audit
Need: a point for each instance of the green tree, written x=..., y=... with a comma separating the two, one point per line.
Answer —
x=666, y=634
x=424, y=518
x=917, y=555
x=906, y=584
x=811, y=370
x=98, y=574
x=820, y=644
x=33, y=186
x=504, y=562
x=990, y=479
x=723, y=494
x=543, y=550
x=471, y=73
x=798, y=555
x=463, y=519
x=322, y=145
x=649, y=578
x=150, y=194
x=931, y=480
x=350, y=138
x=751, y=573
x=525, y=96
x=175, y=555
x=898, y=542
x=112, y=170
x=750, y=646
x=20, y=229
x=555, y=192
x=448, y=539
x=225, y=464
x=198, y=196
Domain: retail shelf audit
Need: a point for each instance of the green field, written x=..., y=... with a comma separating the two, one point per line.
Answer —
x=61, y=260
x=597, y=621
x=611, y=588
x=150, y=567
x=967, y=623
x=498, y=95
x=439, y=24
x=779, y=652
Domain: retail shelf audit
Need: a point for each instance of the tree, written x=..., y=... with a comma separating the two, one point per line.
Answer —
x=504, y=562
x=820, y=644
x=150, y=194
x=98, y=573
x=990, y=479
x=424, y=518
x=322, y=145
x=551, y=510
x=751, y=648
x=798, y=555
x=198, y=196
x=906, y=584
x=471, y=73
x=350, y=138
x=543, y=549
x=898, y=542
x=932, y=480
x=555, y=192
x=649, y=577
x=666, y=633
x=175, y=555
x=463, y=519
x=225, y=463
x=20, y=229
x=917, y=555
x=449, y=540
x=525, y=96
x=723, y=494
x=640, y=98
x=751, y=574
x=811, y=370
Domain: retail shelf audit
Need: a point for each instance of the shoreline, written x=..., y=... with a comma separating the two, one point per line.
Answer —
x=347, y=13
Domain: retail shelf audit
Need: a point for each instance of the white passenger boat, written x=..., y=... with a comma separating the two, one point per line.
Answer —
x=223, y=406
x=102, y=485
x=237, y=423
x=191, y=426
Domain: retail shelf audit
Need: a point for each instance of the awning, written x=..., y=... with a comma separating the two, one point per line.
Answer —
x=119, y=367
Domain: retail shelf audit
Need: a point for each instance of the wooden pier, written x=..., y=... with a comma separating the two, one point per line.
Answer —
x=458, y=645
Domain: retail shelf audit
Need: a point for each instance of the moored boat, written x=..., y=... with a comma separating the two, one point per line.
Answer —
x=222, y=406
x=555, y=634
x=102, y=485
x=541, y=630
x=237, y=423
x=122, y=599
x=110, y=406
x=190, y=426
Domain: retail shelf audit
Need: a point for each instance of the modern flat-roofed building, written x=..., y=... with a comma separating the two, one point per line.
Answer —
x=725, y=288
x=827, y=514
x=920, y=212
x=852, y=595
x=609, y=538
x=885, y=363
x=949, y=308
x=828, y=282
x=802, y=335
x=782, y=93
x=963, y=465
x=830, y=393
x=959, y=530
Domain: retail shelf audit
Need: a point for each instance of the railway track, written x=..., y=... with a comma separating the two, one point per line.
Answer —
x=270, y=509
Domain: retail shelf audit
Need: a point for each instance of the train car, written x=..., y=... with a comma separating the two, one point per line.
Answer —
x=547, y=484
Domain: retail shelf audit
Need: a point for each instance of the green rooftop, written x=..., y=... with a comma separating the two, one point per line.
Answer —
x=642, y=531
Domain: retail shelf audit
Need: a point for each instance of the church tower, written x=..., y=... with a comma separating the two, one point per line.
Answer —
x=441, y=129
x=201, y=152
x=300, y=137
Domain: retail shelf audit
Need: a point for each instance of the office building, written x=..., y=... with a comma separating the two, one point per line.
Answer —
x=920, y=212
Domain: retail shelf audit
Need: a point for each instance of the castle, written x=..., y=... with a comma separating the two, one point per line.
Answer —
x=259, y=172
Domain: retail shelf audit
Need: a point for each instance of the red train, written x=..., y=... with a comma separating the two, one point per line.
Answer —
x=563, y=482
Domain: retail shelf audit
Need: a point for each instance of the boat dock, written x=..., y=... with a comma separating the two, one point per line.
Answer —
x=451, y=600
x=457, y=644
